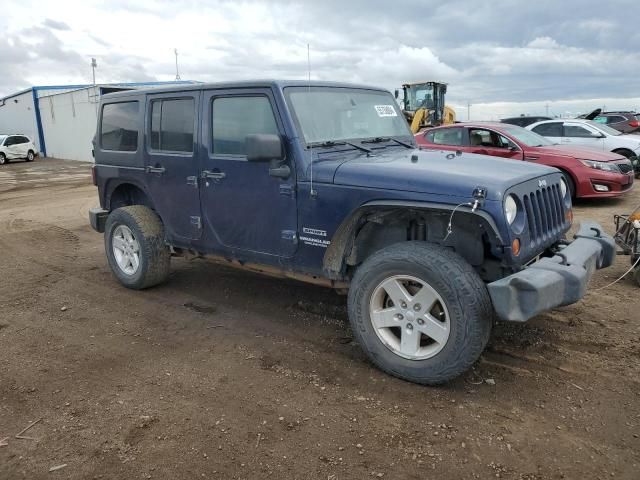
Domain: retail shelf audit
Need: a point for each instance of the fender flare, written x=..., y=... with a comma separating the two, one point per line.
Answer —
x=342, y=240
x=114, y=183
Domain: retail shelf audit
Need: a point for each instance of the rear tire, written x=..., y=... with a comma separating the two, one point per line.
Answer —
x=135, y=247
x=30, y=156
x=461, y=305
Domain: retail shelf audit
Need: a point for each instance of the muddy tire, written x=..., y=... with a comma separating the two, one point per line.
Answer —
x=135, y=247
x=417, y=288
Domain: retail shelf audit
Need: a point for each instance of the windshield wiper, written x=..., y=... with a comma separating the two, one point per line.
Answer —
x=331, y=143
x=388, y=139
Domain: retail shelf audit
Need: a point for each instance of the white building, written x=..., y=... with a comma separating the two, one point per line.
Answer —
x=61, y=120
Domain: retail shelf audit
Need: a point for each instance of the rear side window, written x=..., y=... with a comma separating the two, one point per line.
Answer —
x=553, y=129
x=446, y=136
x=233, y=118
x=119, y=128
x=172, y=125
x=615, y=119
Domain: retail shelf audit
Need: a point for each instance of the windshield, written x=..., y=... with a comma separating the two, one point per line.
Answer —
x=420, y=96
x=604, y=128
x=330, y=114
x=529, y=138
x=2, y=137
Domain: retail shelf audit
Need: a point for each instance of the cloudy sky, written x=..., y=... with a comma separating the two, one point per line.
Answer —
x=502, y=56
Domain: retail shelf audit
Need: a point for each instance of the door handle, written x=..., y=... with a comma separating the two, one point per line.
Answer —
x=213, y=175
x=159, y=170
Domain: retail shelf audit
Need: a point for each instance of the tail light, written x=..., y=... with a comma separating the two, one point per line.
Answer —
x=93, y=175
x=634, y=123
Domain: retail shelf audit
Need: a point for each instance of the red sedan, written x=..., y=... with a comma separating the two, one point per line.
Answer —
x=588, y=172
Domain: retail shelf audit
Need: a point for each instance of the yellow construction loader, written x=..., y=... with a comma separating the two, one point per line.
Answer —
x=423, y=105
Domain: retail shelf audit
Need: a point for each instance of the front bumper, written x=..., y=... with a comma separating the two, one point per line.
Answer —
x=98, y=219
x=553, y=281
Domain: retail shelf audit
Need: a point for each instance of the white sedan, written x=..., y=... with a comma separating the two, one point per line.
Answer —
x=577, y=131
x=14, y=147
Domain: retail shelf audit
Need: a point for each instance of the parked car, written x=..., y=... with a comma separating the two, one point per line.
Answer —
x=577, y=131
x=587, y=172
x=14, y=147
x=625, y=122
x=323, y=182
x=523, y=121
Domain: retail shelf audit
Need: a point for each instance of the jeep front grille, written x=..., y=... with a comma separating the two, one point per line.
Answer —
x=545, y=213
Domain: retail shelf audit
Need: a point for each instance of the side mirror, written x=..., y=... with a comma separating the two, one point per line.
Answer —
x=598, y=135
x=262, y=147
x=396, y=93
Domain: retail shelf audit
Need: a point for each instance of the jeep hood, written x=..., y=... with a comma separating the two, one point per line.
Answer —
x=437, y=172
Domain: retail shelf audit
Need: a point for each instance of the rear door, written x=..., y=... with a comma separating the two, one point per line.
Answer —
x=244, y=206
x=450, y=138
x=489, y=142
x=23, y=146
x=550, y=130
x=171, y=162
x=574, y=133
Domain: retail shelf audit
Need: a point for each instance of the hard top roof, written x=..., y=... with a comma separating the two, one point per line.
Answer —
x=279, y=84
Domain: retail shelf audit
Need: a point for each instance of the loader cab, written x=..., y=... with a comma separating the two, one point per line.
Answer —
x=426, y=97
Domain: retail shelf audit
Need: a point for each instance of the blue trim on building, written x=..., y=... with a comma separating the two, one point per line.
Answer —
x=36, y=109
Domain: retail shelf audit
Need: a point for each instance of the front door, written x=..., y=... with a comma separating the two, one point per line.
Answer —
x=171, y=164
x=12, y=145
x=581, y=134
x=244, y=206
x=488, y=142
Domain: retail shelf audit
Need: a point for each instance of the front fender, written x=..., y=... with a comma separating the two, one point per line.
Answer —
x=342, y=241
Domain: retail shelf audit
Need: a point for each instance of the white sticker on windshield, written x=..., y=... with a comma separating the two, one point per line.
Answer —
x=385, y=110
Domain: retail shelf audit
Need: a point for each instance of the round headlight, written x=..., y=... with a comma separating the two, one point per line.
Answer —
x=563, y=187
x=510, y=209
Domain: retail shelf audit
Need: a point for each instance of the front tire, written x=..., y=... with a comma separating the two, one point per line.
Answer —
x=135, y=247
x=625, y=153
x=3, y=158
x=420, y=312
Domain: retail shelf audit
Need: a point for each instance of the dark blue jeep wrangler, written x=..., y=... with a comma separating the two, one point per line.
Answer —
x=323, y=182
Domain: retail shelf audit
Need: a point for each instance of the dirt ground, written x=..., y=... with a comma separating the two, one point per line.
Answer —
x=225, y=374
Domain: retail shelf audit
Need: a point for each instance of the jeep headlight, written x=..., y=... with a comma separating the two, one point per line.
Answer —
x=604, y=166
x=563, y=187
x=510, y=209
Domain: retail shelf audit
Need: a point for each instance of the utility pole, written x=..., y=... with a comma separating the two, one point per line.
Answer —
x=175, y=50
x=468, y=111
x=94, y=65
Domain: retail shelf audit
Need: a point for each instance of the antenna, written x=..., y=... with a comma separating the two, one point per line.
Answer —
x=312, y=192
x=175, y=50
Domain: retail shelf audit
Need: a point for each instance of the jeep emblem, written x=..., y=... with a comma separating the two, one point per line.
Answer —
x=542, y=183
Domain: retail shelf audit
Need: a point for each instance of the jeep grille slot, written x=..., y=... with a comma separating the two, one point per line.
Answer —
x=545, y=213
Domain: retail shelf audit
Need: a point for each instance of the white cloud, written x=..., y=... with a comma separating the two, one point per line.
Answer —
x=542, y=51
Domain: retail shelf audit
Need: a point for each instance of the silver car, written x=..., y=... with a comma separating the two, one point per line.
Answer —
x=576, y=131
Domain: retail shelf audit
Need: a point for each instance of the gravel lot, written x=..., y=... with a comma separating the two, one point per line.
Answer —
x=226, y=374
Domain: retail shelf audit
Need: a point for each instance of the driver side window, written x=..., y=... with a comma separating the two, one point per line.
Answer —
x=576, y=131
x=233, y=118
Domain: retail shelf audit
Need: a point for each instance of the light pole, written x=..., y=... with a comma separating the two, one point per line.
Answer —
x=468, y=111
x=94, y=65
